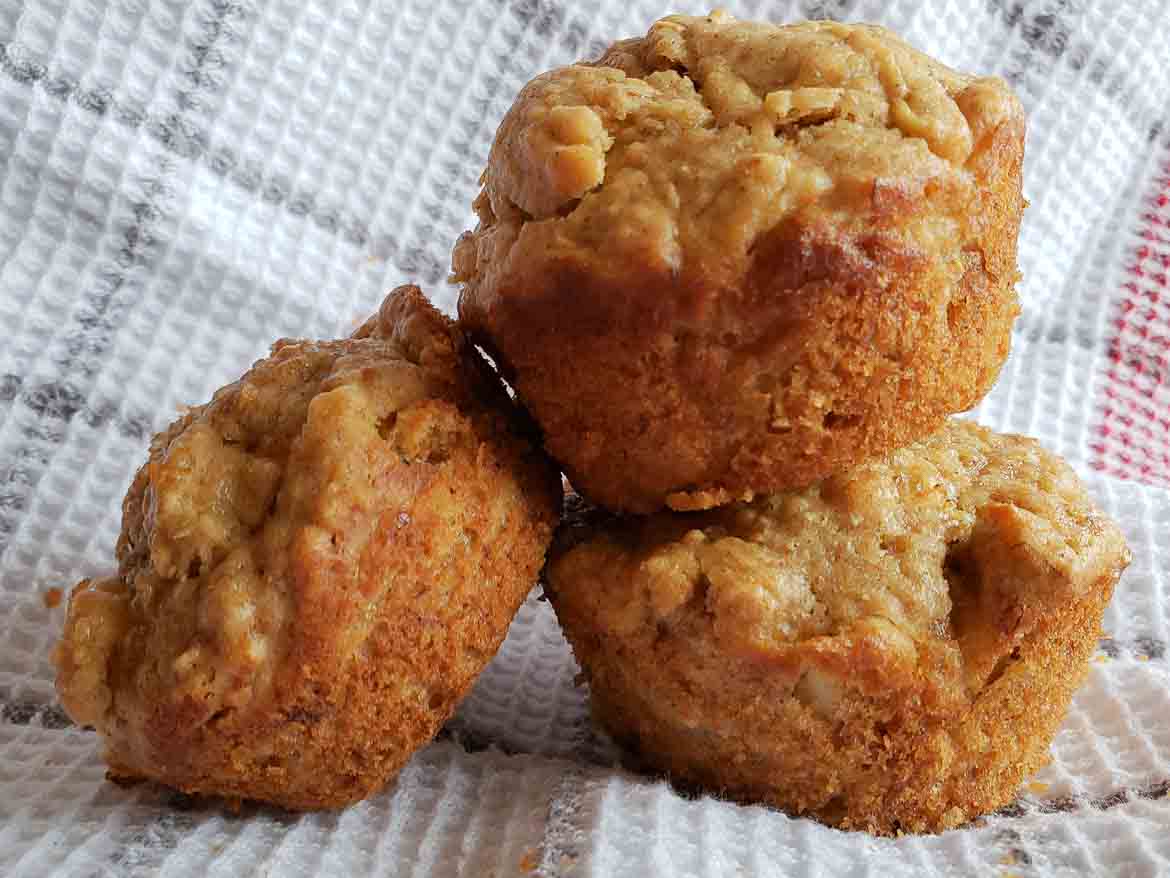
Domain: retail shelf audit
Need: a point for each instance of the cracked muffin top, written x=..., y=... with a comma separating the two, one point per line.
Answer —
x=698, y=138
x=945, y=553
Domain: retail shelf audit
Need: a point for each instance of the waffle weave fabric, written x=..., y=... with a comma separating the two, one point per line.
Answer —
x=183, y=181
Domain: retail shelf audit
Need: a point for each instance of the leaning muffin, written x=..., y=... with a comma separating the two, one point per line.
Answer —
x=890, y=649
x=732, y=257
x=312, y=569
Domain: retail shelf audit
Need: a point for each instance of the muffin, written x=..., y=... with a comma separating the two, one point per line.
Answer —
x=890, y=649
x=732, y=257
x=312, y=569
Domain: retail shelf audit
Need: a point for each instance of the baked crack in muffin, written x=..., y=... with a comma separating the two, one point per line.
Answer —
x=732, y=257
x=890, y=649
x=313, y=568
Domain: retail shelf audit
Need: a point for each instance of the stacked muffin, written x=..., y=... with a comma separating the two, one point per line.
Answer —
x=742, y=274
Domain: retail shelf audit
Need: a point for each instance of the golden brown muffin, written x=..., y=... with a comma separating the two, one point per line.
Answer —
x=733, y=257
x=890, y=649
x=313, y=568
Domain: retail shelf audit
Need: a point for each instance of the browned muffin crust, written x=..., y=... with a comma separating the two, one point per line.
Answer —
x=733, y=257
x=890, y=649
x=313, y=568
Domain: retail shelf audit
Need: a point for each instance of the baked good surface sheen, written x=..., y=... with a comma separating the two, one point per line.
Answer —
x=732, y=257
x=313, y=568
x=890, y=649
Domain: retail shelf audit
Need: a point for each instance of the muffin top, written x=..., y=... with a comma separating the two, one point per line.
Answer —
x=946, y=551
x=677, y=151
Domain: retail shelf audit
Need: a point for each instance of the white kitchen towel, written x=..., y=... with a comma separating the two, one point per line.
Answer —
x=183, y=182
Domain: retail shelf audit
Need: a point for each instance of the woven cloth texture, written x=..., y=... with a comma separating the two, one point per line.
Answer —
x=183, y=181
